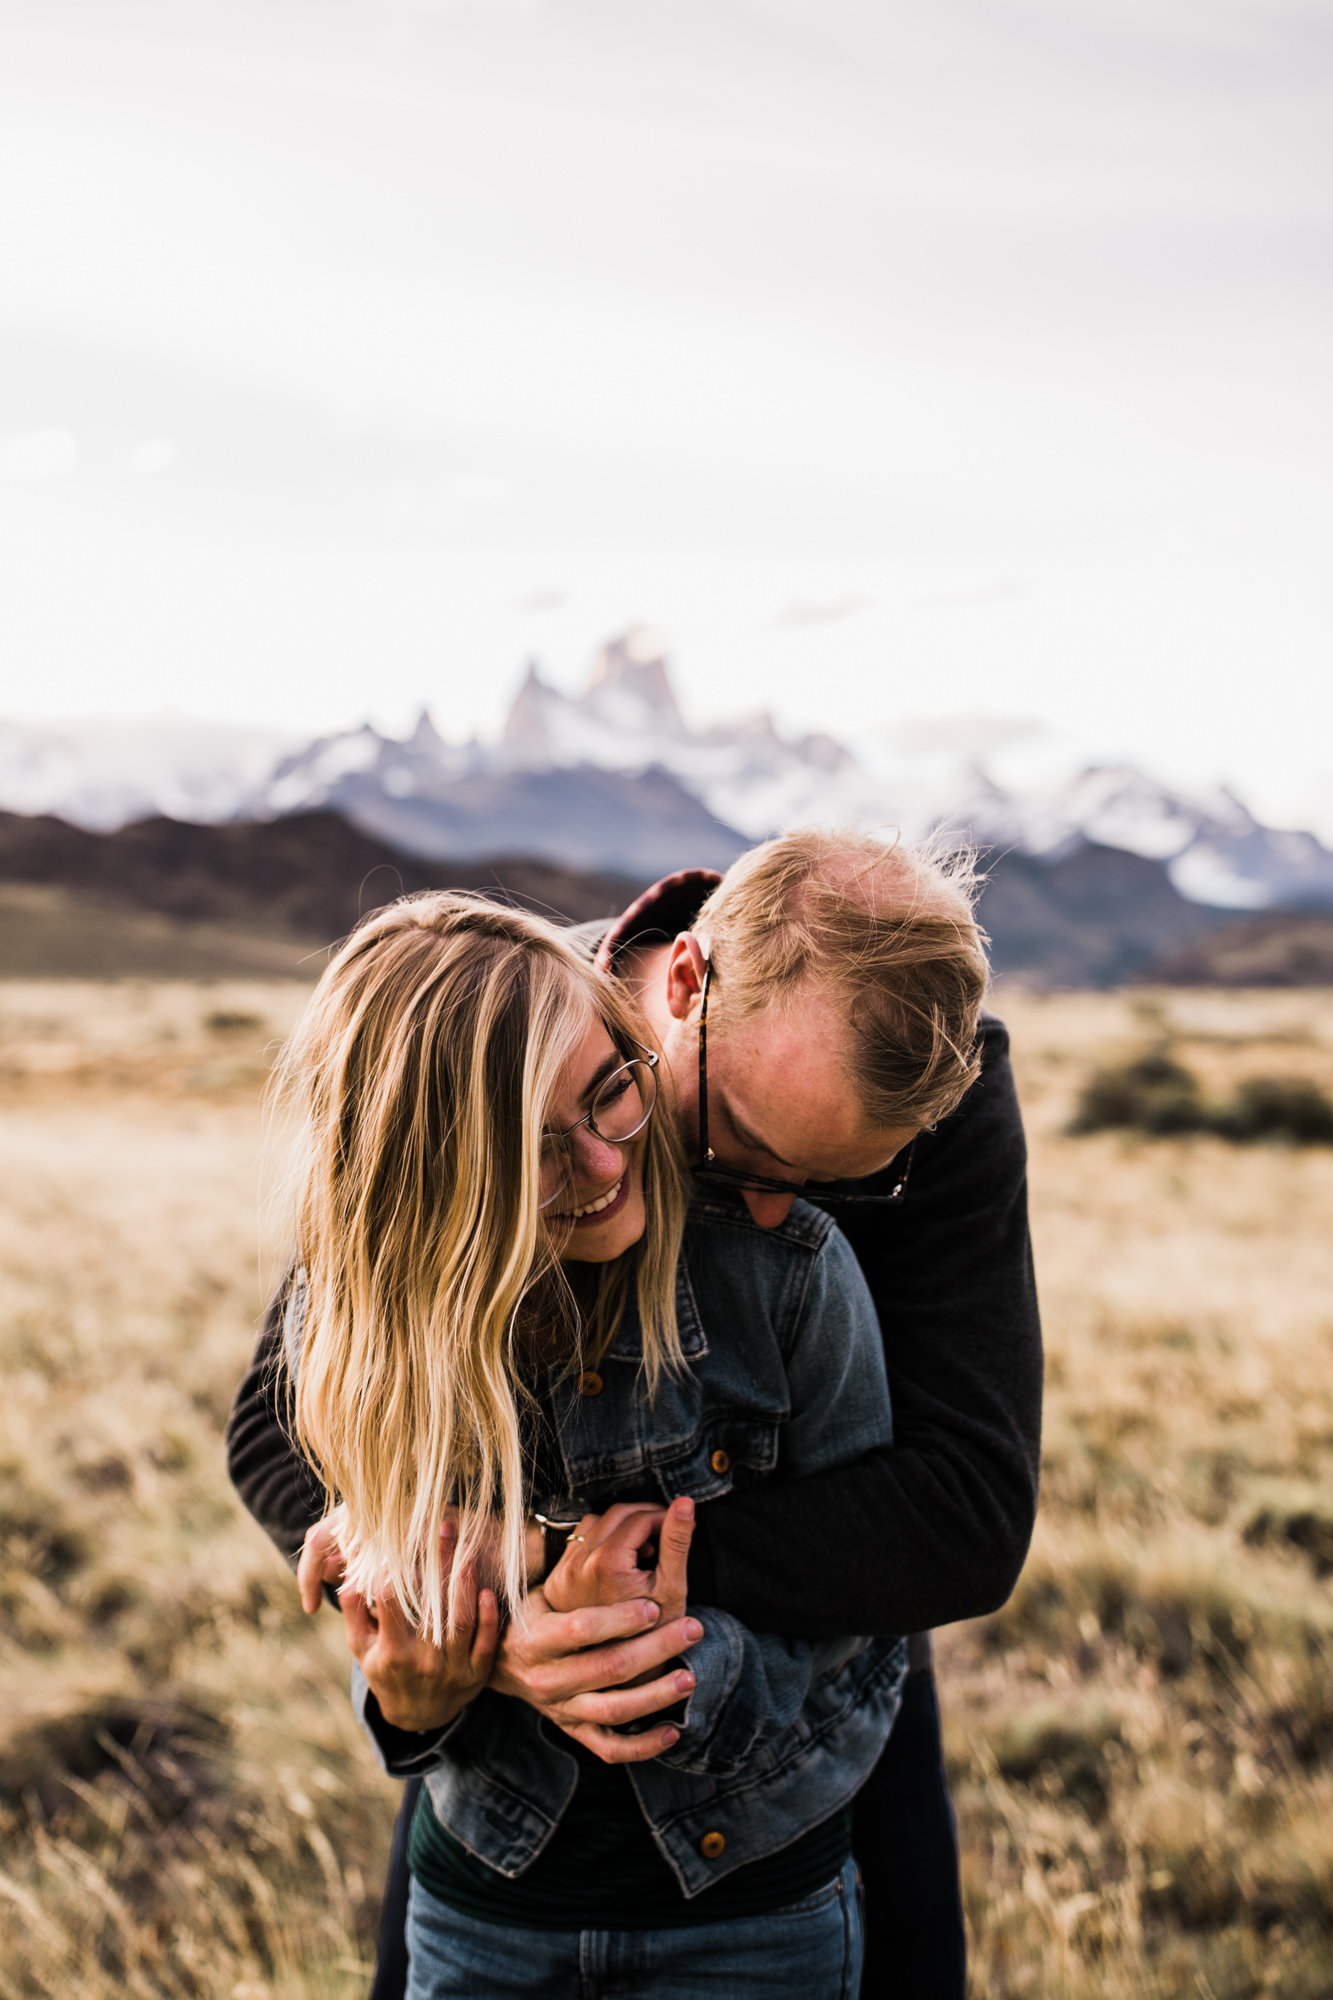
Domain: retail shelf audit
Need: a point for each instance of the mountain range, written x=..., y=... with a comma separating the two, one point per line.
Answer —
x=1100, y=876
x=617, y=777
x=164, y=897
x=167, y=898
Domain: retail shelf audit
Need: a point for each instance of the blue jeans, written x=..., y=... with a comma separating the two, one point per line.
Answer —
x=809, y=1951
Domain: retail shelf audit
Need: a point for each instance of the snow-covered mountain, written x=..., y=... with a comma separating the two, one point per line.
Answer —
x=1214, y=849
x=617, y=777
x=627, y=718
x=452, y=803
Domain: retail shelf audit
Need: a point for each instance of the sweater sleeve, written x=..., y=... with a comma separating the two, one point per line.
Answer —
x=275, y=1482
x=936, y=1528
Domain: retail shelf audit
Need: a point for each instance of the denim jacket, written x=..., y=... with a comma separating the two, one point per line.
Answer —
x=784, y=1377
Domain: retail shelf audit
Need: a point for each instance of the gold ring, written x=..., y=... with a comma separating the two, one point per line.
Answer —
x=578, y=1538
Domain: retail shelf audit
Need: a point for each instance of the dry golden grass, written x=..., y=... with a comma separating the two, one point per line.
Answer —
x=1141, y=1743
x=184, y=1803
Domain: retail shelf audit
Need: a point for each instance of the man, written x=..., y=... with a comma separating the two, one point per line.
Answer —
x=796, y=1003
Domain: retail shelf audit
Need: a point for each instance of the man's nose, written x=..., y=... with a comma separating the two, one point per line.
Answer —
x=768, y=1210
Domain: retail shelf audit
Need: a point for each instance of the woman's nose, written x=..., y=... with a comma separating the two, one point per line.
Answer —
x=593, y=1158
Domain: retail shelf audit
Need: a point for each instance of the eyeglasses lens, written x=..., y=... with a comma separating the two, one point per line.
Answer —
x=624, y=1103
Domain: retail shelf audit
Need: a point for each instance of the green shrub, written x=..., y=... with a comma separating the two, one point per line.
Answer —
x=1153, y=1094
x=1158, y=1096
x=1277, y=1107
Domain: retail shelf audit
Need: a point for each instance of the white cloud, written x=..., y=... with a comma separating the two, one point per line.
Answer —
x=39, y=455
x=151, y=456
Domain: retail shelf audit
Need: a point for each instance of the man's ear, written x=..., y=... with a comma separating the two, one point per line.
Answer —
x=685, y=976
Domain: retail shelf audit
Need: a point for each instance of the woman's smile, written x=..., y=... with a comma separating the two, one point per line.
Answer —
x=600, y=1208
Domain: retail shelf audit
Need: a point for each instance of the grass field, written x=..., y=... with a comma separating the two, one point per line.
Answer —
x=1141, y=1743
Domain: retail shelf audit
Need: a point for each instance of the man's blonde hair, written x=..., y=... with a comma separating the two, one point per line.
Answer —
x=883, y=928
x=422, y=1072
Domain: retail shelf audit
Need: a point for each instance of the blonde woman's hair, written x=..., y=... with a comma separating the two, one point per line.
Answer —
x=887, y=929
x=422, y=1072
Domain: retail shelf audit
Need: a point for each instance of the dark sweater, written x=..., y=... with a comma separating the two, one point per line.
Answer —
x=935, y=1529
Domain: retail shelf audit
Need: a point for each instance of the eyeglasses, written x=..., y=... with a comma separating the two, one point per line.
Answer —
x=713, y=1175
x=621, y=1107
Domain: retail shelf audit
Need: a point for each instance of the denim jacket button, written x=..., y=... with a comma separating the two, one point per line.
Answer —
x=590, y=1383
x=720, y=1461
x=712, y=1845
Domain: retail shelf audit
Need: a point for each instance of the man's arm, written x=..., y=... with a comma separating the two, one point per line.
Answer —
x=277, y=1484
x=937, y=1528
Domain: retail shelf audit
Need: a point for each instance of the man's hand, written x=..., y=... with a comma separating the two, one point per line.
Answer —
x=572, y=1668
x=629, y=1551
x=417, y=1684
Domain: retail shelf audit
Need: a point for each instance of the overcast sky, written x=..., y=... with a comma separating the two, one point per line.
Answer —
x=896, y=360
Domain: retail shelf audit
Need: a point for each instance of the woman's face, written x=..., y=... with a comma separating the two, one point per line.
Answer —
x=598, y=1211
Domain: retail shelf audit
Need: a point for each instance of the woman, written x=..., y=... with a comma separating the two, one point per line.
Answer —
x=501, y=1298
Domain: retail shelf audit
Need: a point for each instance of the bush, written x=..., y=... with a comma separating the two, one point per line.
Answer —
x=1277, y=1107
x=1153, y=1094
x=1158, y=1096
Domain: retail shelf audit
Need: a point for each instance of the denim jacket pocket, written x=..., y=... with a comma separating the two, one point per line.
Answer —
x=731, y=1448
x=699, y=1438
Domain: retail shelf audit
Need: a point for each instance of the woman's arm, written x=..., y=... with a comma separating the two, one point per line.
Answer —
x=751, y=1687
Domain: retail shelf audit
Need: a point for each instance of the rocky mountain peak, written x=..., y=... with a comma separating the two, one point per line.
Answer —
x=633, y=665
x=527, y=727
x=425, y=738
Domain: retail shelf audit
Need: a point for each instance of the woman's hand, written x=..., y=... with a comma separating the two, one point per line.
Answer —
x=630, y=1551
x=418, y=1684
x=321, y=1559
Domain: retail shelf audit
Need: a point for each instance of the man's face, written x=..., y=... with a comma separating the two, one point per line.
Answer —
x=781, y=1103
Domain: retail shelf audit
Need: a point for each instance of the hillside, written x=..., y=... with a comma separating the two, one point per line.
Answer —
x=164, y=898
x=167, y=899
x=1268, y=948
x=1095, y=917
